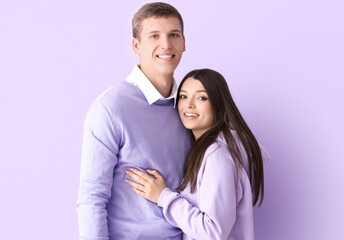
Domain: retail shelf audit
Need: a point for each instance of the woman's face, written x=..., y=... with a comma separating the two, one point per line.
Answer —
x=194, y=107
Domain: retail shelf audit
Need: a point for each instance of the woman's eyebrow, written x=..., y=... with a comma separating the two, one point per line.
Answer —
x=196, y=91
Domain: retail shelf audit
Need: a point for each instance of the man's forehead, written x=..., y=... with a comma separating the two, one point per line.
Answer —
x=161, y=22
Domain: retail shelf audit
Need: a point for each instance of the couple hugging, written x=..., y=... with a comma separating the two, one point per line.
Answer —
x=167, y=162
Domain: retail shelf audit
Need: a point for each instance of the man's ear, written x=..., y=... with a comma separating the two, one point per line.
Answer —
x=136, y=45
x=184, y=44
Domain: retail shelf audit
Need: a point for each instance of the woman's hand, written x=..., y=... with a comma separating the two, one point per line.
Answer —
x=148, y=187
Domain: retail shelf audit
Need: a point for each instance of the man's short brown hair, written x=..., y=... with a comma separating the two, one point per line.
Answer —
x=156, y=9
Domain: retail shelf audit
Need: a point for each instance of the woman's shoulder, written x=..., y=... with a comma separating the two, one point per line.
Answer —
x=218, y=161
x=218, y=151
x=219, y=145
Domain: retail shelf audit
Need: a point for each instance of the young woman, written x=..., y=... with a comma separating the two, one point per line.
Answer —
x=224, y=172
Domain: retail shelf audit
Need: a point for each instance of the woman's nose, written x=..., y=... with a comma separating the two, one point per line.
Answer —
x=190, y=104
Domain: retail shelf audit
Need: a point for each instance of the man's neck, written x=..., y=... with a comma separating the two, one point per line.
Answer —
x=162, y=83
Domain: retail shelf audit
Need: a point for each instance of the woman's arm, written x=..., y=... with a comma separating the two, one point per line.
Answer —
x=216, y=214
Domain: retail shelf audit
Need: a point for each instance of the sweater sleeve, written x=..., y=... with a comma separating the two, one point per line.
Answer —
x=216, y=215
x=99, y=157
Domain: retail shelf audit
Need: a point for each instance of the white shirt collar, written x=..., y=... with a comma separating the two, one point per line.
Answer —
x=139, y=79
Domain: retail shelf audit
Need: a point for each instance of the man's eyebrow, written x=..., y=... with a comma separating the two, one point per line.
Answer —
x=152, y=32
x=175, y=30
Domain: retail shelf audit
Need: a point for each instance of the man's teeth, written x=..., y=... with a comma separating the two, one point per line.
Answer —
x=190, y=115
x=165, y=56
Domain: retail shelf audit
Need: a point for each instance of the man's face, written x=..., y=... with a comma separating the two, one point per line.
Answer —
x=161, y=45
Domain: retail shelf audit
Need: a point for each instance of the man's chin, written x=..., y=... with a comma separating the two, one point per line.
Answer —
x=166, y=70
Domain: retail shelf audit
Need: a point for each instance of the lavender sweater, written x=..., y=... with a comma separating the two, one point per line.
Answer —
x=219, y=208
x=121, y=131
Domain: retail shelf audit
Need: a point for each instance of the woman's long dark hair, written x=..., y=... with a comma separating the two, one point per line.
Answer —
x=226, y=117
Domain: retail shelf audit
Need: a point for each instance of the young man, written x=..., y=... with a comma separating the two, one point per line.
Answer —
x=135, y=125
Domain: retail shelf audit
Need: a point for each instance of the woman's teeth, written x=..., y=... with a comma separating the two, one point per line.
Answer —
x=190, y=114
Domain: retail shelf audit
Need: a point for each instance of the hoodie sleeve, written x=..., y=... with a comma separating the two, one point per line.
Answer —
x=216, y=215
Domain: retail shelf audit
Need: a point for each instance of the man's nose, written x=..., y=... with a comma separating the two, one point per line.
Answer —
x=165, y=42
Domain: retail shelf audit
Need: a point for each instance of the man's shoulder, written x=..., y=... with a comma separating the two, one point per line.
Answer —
x=113, y=102
x=117, y=95
x=115, y=91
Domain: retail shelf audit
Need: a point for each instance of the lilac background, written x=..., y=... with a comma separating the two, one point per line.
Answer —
x=284, y=63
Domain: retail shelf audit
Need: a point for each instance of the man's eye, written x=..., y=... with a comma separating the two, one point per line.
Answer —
x=175, y=35
x=154, y=36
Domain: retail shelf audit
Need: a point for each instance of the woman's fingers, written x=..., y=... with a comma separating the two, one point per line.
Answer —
x=138, y=191
x=141, y=174
x=137, y=175
x=155, y=173
x=135, y=185
x=149, y=187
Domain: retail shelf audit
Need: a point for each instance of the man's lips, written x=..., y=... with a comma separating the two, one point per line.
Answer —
x=165, y=56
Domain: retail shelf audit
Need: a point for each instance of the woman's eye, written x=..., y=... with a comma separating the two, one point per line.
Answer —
x=182, y=97
x=203, y=98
